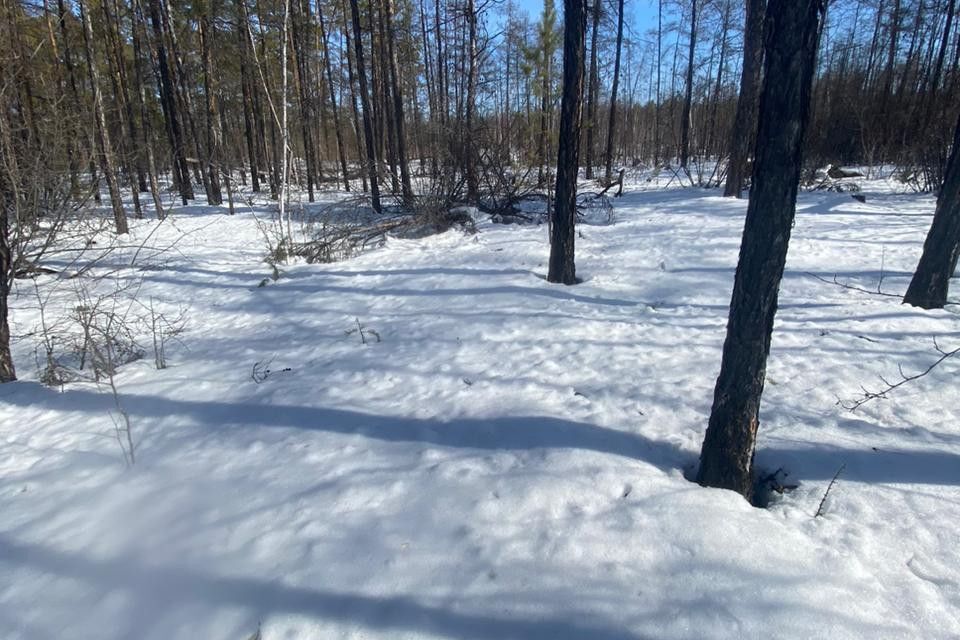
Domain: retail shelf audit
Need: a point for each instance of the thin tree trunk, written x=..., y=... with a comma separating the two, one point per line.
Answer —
x=213, y=134
x=612, y=123
x=688, y=95
x=341, y=153
x=124, y=95
x=365, y=100
x=8, y=178
x=357, y=133
x=303, y=79
x=470, y=147
x=656, y=122
x=171, y=109
x=73, y=94
x=398, y=115
x=107, y=164
x=563, y=230
x=593, y=89
x=138, y=30
x=124, y=113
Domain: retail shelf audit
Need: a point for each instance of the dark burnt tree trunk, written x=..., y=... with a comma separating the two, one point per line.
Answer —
x=612, y=122
x=593, y=89
x=744, y=121
x=938, y=262
x=470, y=147
x=365, y=103
x=563, y=230
x=688, y=96
x=726, y=460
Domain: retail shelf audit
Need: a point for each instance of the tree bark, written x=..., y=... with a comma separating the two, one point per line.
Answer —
x=744, y=122
x=612, y=123
x=398, y=116
x=593, y=89
x=365, y=103
x=104, y=147
x=213, y=134
x=688, y=95
x=470, y=147
x=563, y=230
x=116, y=64
x=357, y=133
x=341, y=153
x=168, y=99
x=138, y=30
x=7, y=371
x=726, y=459
x=300, y=22
x=931, y=282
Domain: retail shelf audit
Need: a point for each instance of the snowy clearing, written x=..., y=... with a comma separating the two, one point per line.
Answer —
x=504, y=458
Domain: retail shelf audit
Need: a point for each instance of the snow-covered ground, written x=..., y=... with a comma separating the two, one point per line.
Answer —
x=509, y=459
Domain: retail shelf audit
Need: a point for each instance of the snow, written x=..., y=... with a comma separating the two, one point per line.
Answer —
x=508, y=460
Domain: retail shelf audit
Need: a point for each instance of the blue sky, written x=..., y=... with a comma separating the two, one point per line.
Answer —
x=641, y=14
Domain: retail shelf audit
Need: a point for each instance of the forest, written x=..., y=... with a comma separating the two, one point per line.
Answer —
x=479, y=319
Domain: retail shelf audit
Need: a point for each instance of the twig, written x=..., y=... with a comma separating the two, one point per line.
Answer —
x=823, y=500
x=904, y=379
x=854, y=287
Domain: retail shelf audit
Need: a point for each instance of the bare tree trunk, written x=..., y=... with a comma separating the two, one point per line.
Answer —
x=365, y=100
x=745, y=119
x=938, y=263
x=247, y=88
x=107, y=164
x=608, y=156
x=593, y=89
x=8, y=178
x=398, y=115
x=357, y=133
x=470, y=147
x=688, y=95
x=341, y=153
x=656, y=122
x=563, y=230
x=303, y=78
x=213, y=134
x=168, y=98
x=116, y=65
x=138, y=30
x=726, y=459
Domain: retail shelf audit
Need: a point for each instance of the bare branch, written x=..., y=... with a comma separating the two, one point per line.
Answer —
x=869, y=395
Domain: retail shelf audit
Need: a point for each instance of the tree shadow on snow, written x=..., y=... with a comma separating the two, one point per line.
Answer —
x=509, y=433
x=876, y=465
x=157, y=591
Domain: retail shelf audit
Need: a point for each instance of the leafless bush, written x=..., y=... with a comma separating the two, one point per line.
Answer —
x=165, y=327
